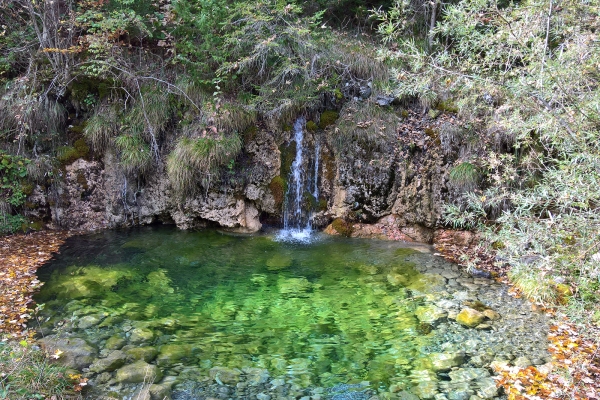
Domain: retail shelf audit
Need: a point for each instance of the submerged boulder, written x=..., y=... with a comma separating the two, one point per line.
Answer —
x=225, y=375
x=470, y=317
x=445, y=361
x=139, y=372
x=115, y=360
x=74, y=353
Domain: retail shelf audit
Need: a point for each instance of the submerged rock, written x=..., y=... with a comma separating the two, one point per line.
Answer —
x=115, y=360
x=430, y=314
x=139, y=372
x=146, y=353
x=470, y=317
x=115, y=343
x=76, y=352
x=445, y=361
x=141, y=335
x=173, y=353
x=225, y=375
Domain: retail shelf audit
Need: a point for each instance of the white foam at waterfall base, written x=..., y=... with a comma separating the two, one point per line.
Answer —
x=295, y=235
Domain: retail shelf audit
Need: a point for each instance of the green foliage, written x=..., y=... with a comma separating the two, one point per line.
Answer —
x=311, y=126
x=529, y=90
x=67, y=154
x=28, y=373
x=196, y=160
x=10, y=223
x=13, y=171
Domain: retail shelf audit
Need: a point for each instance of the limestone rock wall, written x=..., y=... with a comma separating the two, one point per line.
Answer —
x=402, y=175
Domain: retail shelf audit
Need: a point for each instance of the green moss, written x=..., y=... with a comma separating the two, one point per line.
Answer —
x=328, y=164
x=27, y=188
x=434, y=134
x=67, y=154
x=310, y=202
x=311, y=126
x=338, y=94
x=322, y=204
x=342, y=227
x=77, y=129
x=288, y=153
x=250, y=134
x=404, y=113
x=278, y=189
x=328, y=118
x=82, y=148
x=447, y=106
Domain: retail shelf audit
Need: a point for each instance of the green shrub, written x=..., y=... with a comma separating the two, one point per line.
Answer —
x=28, y=373
x=11, y=223
x=100, y=128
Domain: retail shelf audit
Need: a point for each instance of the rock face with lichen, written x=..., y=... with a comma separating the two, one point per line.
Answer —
x=380, y=171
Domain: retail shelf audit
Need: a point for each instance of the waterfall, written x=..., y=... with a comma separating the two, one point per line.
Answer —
x=316, y=172
x=302, y=184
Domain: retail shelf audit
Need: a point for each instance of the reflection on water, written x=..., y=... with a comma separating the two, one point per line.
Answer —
x=337, y=310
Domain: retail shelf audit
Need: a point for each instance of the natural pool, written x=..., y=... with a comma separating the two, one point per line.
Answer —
x=229, y=316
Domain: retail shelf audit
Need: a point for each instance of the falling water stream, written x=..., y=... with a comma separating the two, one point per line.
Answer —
x=302, y=183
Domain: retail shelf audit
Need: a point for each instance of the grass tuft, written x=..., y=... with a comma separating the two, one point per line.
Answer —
x=101, y=127
x=134, y=153
x=464, y=177
x=194, y=160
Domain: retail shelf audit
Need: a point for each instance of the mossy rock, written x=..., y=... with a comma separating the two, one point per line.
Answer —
x=27, y=189
x=322, y=204
x=470, y=317
x=82, y=148
x=311, y=126
x=342, y=227
x=68, y=154
x=328, y=118
x=278, y=189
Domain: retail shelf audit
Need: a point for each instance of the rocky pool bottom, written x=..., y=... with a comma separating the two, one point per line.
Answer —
x=157, y=313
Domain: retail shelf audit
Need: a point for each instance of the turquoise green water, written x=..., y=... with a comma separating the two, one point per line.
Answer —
x=337, y=310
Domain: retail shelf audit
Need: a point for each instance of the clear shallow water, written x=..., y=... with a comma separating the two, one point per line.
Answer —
x=337, y=310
